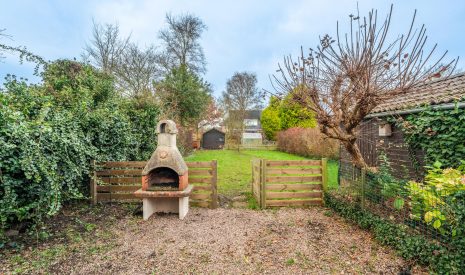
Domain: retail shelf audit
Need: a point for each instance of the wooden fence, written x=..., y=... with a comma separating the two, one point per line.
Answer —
x=289, y=183
x=117, y=181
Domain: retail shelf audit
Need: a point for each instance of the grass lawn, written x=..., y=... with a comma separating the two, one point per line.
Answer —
x=235, y=168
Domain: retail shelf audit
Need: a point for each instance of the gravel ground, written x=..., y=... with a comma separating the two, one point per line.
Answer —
x=237, y=241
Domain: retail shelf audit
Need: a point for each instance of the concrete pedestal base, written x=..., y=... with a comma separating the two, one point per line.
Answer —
x=165, y=201
x=165, y=205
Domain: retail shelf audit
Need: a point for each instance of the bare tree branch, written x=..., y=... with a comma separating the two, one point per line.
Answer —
x=346, y=77
x=106, y=47
x=181, y=43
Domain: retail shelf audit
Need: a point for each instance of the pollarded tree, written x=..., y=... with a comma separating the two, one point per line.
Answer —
x=346, y=77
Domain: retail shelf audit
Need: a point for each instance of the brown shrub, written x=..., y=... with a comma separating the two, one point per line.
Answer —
x=307, y=142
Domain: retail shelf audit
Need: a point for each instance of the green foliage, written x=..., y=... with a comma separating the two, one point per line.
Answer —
x=439, y=133
x=432, y=201
x=293, y=114
x=270, y=120
x=184, y=95
x=383, y=186
x=442, y=259
x=285, y=114
x=50, y=132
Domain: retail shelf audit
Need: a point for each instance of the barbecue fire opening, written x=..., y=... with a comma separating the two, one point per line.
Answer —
x=163, y=179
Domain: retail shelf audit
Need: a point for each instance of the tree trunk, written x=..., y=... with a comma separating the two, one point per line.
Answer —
x=353, y=150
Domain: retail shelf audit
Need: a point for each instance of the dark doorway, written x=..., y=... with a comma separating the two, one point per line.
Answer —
x=213, y=139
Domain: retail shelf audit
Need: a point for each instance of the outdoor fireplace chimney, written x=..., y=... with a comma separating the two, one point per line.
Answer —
x=166, y=169
x=165, y=186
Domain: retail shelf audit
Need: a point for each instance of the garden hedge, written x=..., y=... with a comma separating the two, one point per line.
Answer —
x=441, y=258
x=50, y=132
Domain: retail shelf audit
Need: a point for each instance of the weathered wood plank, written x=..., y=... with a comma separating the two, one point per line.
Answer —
x=200, y=196
x=117, y=188
x=202, y=187
x=199, y=180
x=126, y=172
x=293, y=202
x=324, y=167
x=293, y=186
x=93, y=184
x=263, y=179
x=214, y=191
x=122, y=164
x=200, y=172
x=293, y=179
x=115, y=196
x=293, y=163
x=141, y=164
x=198, y=164
x=129, y=180
x=293, y=195
x=294, y=171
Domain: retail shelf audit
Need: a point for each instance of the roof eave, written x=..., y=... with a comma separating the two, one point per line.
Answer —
x=444, y=106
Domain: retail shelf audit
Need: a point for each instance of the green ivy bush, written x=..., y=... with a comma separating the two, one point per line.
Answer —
x=440, y=258
x=285, y=114
x=439, y=133
x=50, y=132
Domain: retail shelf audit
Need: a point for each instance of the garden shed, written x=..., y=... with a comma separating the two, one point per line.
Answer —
x=213, y=139
x=382, y=134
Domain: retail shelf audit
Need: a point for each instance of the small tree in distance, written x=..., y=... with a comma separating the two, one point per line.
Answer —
x=240, y=96
x=345, y=78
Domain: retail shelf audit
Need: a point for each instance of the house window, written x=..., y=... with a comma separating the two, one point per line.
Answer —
x=251, y=122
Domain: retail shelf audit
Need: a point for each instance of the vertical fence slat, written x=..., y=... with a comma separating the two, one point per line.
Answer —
x=263, y=183
x=324, y=174
x=214, y=194
x=93, y=184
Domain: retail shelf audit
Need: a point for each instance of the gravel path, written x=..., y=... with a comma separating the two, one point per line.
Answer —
x=238, y=241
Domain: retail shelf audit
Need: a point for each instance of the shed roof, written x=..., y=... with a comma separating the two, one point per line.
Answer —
x=213, y=129
x=439, y=91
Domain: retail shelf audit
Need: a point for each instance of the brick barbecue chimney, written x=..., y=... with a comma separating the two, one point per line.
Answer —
x=165, y=186
x=166, y=169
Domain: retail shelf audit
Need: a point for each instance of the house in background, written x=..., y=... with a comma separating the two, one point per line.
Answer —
x=252, y=134
x=378, y=136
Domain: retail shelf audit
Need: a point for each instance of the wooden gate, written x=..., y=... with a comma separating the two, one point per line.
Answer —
x=277, y=183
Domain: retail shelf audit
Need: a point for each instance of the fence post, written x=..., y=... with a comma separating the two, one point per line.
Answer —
x=363, y=181
x=214, y=195
x=324, y=173
x=93, y=183
x=263, y=183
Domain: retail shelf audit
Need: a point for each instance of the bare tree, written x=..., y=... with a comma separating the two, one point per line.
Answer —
x=241, y=95
x=345, y=78
x=136, y=71
x=106, y=47
x=181, y=43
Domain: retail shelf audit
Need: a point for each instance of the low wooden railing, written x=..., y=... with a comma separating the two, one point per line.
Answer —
x=117, y=181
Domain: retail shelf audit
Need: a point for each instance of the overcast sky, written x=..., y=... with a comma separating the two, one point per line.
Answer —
x=242, y=35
